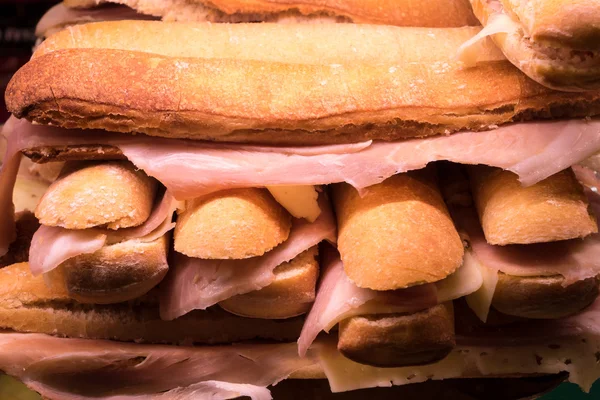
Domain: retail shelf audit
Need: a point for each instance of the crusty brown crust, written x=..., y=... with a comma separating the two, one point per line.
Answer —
x=399, y=340
x=86, y=195
x=28, y=305
x=201, y=99
x=551, y=210
x=232, y=224
x=543, y=297
x=291, y=293
x=398, y=234
x=115, y=273
x=385, y=12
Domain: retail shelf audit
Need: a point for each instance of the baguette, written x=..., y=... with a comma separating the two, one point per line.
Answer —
x=291, y=293
x=551, y=210
x=399, y=340
x=115, y=273
x=543, y=297
x=233, y=224
x=27, y=304
x=279, y=103
x=385, y=12
x=554, y=42
x=112, y=194
x=398, y=234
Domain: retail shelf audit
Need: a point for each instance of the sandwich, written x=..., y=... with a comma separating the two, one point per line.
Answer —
x=291, y=195
x=555, y=43
x=405, y=13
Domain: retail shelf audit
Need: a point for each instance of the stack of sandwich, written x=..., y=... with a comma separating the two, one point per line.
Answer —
x=374, y=205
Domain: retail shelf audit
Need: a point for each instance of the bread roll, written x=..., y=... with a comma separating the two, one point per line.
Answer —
x=553, y=209
x=399, y=234
x=280, y=102
x=554, y=42
x=232, y=224
x=543, y=297
x=110, y=194
x=115, y=273
x=386, y=12
x=27, y=304
x=291, y=293
x=399, y=340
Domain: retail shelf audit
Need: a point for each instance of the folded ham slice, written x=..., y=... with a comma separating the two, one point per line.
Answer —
x=339, y=298
x=193, y=283
x=51, y=246
x=189, y=169
x=77, y=369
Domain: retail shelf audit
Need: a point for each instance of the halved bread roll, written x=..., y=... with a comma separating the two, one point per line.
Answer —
x=115, y=273
x=110, y=194
x=551, y=210
x=399, y=234
x=543, y=297
x=398, y=340
x=291, y=294
x=232, y=224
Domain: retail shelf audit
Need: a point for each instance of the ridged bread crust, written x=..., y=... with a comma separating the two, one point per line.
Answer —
x=28, y=305
x=110, y=194
x=551, y=210
x=385, y=12
x=292, y=293
x=232, y=224
x=113, y=274
x=270, y=102
x=399, y=340
x=398, y=234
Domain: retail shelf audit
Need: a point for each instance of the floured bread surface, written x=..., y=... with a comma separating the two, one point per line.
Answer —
x=232, y=224
x=291, y=293
x=109, y=194
x=398, y=234
x=551, y=210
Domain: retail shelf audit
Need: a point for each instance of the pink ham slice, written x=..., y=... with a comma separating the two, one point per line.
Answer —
x=191, y=169
x=574, y=259
x=77, y=369
x=52, y=246
x=339, y=298
x=194, y=283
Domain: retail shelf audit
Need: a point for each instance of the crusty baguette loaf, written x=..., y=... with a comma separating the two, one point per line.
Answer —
x=559, y=23
x=112, y=194
x=115, y=273
x=28, y=305
x=295, y=44
x=255, y=101
x=232, y=224
x=398, y=234
x=551, y=210
x=399, y=340
x=385, y=12
x=543, y=297
x=290, y=294
x=550, y=60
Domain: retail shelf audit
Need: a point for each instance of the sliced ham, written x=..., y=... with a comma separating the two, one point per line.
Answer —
x=574, y=259
x=51, y=246
x=189, y=169
x=77, y=369
x=193, y=283
x=339, y=298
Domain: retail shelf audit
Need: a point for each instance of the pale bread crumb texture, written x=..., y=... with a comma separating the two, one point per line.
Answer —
x=110, y=194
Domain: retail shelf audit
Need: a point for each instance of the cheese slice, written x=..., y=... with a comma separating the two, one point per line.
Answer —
x=299, y=200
